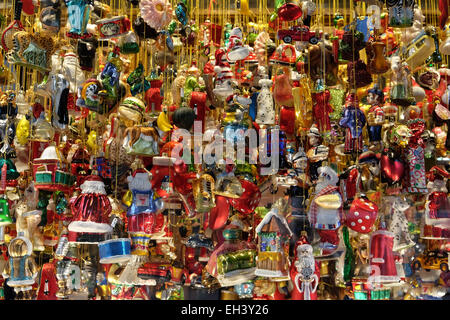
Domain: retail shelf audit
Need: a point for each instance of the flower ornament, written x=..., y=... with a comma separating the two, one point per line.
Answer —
x=156, y=13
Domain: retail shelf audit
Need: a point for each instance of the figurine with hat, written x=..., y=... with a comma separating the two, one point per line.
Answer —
x=326, y=210
x=375, y=115
x=317, y=152
x=353, y=121
x=349, y=183
x=369, y=163
x=142, y=218
x=304, y=272
x=322, y=107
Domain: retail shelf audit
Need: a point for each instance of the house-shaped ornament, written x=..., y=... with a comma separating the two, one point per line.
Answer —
x=50, y=171
x=273, y=242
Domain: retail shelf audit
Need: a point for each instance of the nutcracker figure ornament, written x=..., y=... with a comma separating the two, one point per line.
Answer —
x=375, y=116
x=65, y=255
x=298, y=195
x=353, y=121
x=305, y=273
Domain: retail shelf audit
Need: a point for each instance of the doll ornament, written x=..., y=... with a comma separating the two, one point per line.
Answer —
x=322, y=107
x=317, y=153
x=353, y=120
x=142, y=217
x=375, y=116
x=21, y=270
x=91, y=208
x=401, y=85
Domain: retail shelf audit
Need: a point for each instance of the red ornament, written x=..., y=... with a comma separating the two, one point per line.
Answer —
x=362, y=215
x=289, y=12
x=249, y=199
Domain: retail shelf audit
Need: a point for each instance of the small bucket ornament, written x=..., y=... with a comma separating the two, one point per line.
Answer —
x=114, y=251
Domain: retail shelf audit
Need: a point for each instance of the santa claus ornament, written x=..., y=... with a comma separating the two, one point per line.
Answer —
x=304, y=274
x=91, y=208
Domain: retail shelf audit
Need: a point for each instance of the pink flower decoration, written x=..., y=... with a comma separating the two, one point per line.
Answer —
x=156, y=13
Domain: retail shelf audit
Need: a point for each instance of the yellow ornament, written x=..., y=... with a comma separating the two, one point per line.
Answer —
x=245, y=9
x=127, y=198
x=92, y=141
x=23, y=131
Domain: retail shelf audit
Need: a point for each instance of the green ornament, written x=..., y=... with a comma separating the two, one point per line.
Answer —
x=172, y=26
x=278, y=4
x=349, y=257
